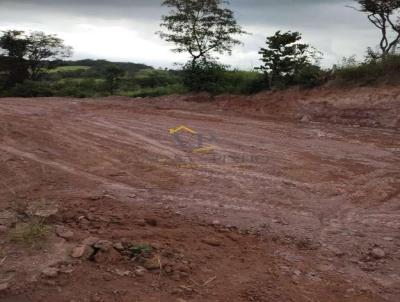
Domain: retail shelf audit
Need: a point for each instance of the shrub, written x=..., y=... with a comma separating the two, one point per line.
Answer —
x=158, y=91
x=244, y=82
x=142, y=250
x=204, y=76
x=151, y=78
x=309, y=76
x=370, y=72
x=31, y=89
x=79, y=88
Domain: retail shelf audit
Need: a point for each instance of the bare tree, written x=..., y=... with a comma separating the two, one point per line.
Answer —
x=384, y=14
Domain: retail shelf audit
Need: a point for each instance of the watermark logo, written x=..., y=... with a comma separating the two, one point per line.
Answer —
x=200, y=150
x=191, y=141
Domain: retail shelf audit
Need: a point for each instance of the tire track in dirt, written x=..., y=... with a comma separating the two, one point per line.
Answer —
x=118, y=186
x=157, y=147
x=322, y=182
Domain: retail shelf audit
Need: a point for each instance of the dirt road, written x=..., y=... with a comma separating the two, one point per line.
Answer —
x=320, y=203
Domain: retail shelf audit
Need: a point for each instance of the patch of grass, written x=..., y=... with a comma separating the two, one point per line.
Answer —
x=68, y=69
x=30, y=232
x=3, y=254
x=371, y=72
x=141, y=250
x=157, y=91
x=242, y=82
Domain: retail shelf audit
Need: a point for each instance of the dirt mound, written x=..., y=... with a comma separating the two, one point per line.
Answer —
x=361, y=106
x=371, y=107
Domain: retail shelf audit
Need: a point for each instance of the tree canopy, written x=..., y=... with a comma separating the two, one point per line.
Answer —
x=200, y=27
x=112, y=76
x=25, y=54
x=284, y=57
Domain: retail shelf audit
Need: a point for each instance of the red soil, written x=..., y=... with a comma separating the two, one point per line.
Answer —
x=281, y=210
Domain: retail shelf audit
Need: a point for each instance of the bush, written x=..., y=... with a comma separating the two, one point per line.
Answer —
x=151, y=78
x=79, y=88
x=309, y=76
x=31, y=89
x=243, y=82
x=158, y=91
x=370, y=72
x=204, y=76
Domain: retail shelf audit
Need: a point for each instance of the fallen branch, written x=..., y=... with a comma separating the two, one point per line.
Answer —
x=2, y=260
x=209, y=281
x=205, y=283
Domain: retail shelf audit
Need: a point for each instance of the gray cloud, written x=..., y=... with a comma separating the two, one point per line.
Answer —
x=327, y=24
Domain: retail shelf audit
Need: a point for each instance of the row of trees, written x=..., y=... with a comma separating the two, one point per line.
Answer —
x=25, y=56
x=203, y=29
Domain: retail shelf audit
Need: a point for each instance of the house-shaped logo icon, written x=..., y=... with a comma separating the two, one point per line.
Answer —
x=198, y=146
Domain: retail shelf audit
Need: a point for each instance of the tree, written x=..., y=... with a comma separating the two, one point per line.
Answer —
x=284, y=57
x=382, y=14
x=26, y=55
x=113, y=75
x=200, y=28
x=13, y=47
x=13, y=44
x=43, y=48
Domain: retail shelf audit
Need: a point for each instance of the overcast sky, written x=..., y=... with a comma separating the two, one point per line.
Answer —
x=124, y=30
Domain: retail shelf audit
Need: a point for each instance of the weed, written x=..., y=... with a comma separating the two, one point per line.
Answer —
x=370, y=72
x=138, y=251
x=30, y=232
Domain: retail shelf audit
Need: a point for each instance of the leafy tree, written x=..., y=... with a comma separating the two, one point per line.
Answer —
x=382, y=14
x=13, y=47
x=113, y=76
x=284, y=58
x=13, y=44
x=26, y=55
x=200, y=28
x=42, y=48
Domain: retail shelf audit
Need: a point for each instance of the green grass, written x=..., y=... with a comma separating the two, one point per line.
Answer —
x=79, y=81
x=242, y=82
x=371, y=72
x=154, y=92
x=29, y=232
x=141, y=250
x=63, y=69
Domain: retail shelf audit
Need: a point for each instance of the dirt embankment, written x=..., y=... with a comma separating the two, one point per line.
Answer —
x=361, y=106
x=98, y=201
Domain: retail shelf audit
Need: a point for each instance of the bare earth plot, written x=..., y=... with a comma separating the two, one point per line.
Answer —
x=278, y=211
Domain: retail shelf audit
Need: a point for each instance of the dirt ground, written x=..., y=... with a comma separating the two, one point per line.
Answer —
x=107, y=200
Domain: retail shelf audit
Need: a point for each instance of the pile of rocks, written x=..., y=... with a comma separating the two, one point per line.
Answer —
x=145, y=257
x=95, y=249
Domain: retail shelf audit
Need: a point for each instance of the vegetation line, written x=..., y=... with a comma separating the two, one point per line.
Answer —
x=32, y=64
